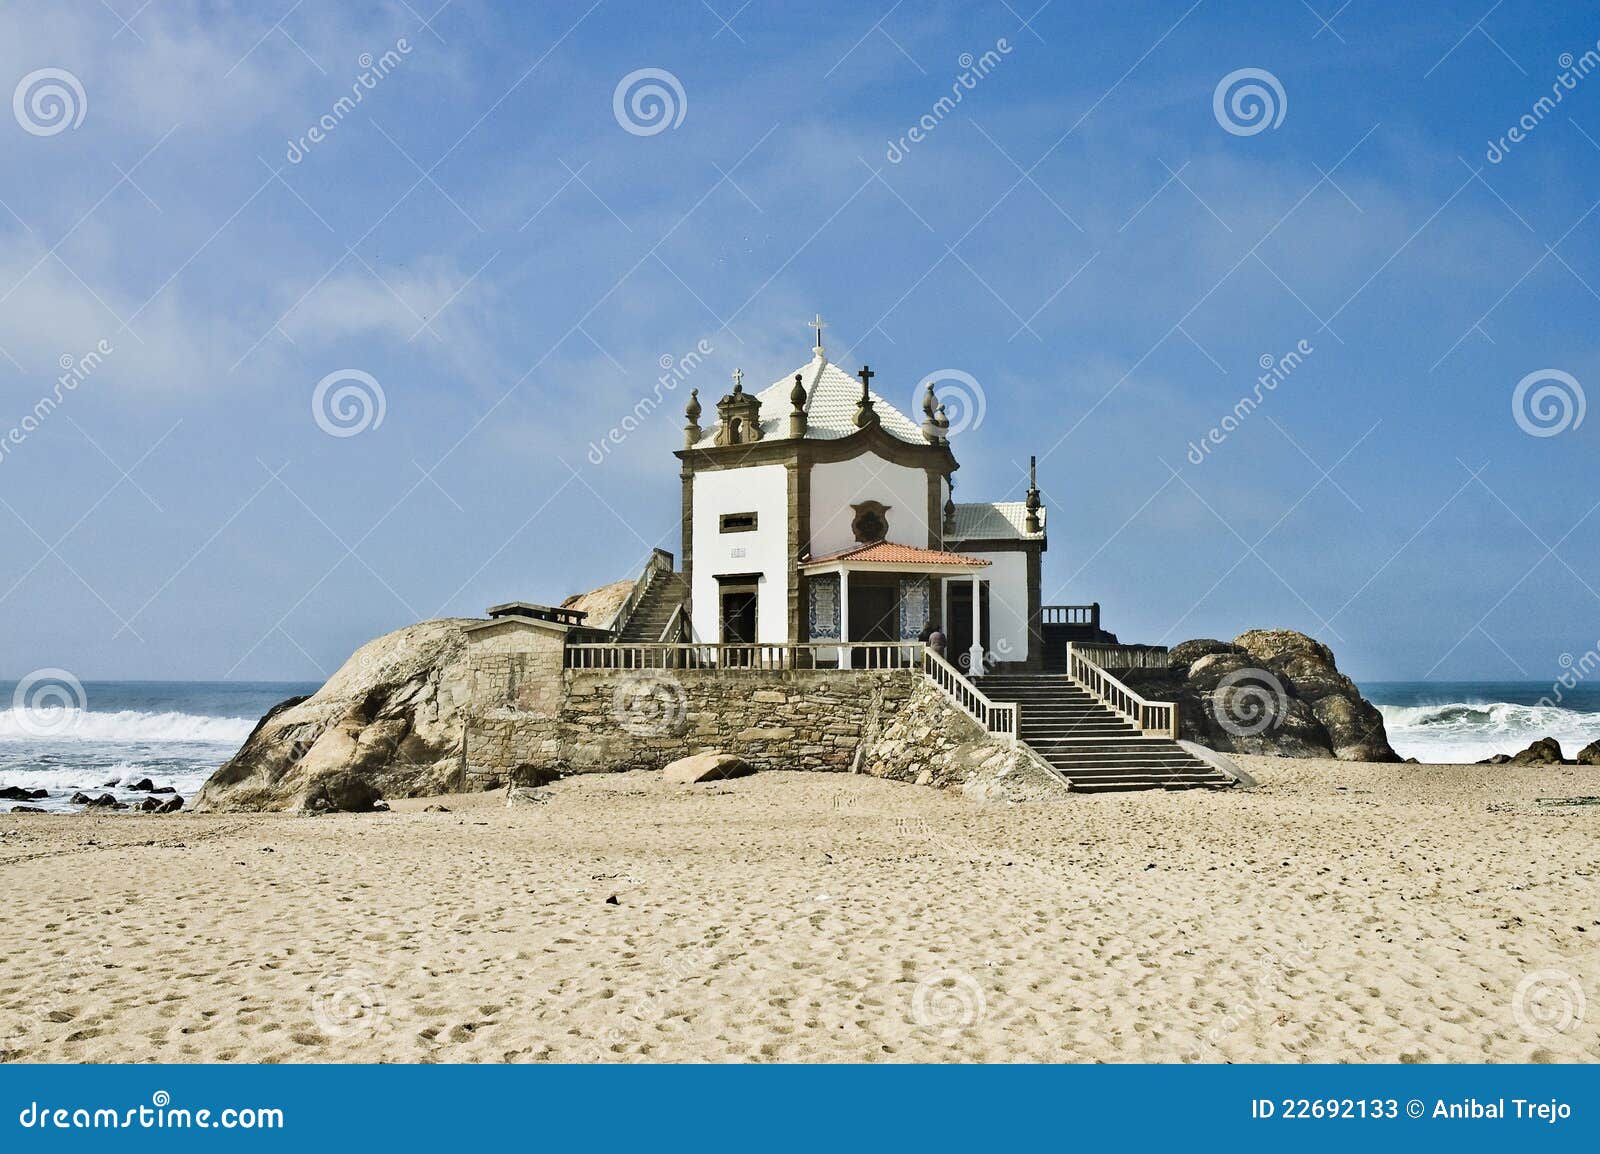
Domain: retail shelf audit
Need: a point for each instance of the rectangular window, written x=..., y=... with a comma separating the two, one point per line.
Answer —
x=738, y=522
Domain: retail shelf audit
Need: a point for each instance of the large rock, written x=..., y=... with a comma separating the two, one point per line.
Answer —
x=712, y=766
x=1270, y=691
x=1589, y=754
x=1545, y=751
x=387, y=724
x=18, y=793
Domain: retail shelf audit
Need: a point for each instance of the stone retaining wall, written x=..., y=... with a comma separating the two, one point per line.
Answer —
x=893, y=724
x=604, y=720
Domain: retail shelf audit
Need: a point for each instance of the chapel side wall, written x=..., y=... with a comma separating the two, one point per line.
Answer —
x=610, y=720
x=1007, y=575
x=759, y=489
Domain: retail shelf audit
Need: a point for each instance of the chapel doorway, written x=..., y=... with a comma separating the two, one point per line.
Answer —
x=958, y=623
x=874, y=616
x=739, y=615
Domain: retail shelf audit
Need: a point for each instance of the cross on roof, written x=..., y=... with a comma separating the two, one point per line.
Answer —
x=738, y=379
x=866, y=375
x=819, y=326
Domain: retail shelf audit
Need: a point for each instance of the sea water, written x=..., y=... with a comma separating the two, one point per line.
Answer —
x=1456, y=721
x=176, y=733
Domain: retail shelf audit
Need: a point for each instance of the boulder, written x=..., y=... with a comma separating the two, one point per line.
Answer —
x=533, y=776
x=165, y=789
x=149, y=805
x=105, y=801
x=172, y=805
x=26, y=809
x=1589, y=754
x=80, y=798
x=713, y=765
x=1545, y=751
x=143, y=785
x=18, y=793
x=1268, y=691
x=388, y=723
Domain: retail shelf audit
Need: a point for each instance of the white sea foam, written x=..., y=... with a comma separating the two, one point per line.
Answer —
x=1465, y=731
x=126, y=725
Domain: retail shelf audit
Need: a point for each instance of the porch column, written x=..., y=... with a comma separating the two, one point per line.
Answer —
x=975, y=654
x=844, y=617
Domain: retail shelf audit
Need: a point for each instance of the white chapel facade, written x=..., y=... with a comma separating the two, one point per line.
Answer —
x=816, y=512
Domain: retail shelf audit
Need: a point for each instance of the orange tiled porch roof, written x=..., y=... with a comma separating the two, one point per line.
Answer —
x=886, y=552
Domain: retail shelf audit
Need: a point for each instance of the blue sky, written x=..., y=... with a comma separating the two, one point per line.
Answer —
x=1082, y=235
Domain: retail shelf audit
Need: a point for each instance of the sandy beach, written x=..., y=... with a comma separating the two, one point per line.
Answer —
x=1340, y=912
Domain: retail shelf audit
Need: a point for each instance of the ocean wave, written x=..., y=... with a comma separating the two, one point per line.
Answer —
x=127, y=725
x=1473, y=730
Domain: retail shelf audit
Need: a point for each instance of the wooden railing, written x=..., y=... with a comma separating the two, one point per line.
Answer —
x=672, y=631
x=997, y=717
x=1072, y=615
x=1158, y=717
x=660, y=562
x=690, y=655
x=1126, y=656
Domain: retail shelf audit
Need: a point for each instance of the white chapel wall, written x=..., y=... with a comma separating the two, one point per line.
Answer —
x=1007, y=576
x=836, y=485
x=764, y=491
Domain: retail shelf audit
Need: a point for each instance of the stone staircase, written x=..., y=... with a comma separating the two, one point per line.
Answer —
x=1095, y=748
x=661, y=598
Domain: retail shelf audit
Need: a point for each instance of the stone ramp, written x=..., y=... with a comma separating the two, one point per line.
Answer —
x=1095, y=748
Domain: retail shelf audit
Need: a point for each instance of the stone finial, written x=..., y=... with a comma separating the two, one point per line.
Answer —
x=1033, y=524
x=950, y=513
x=930, y=424
x=942, y=422
x=691, y=412
x=865, y=413
x=797, y=417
